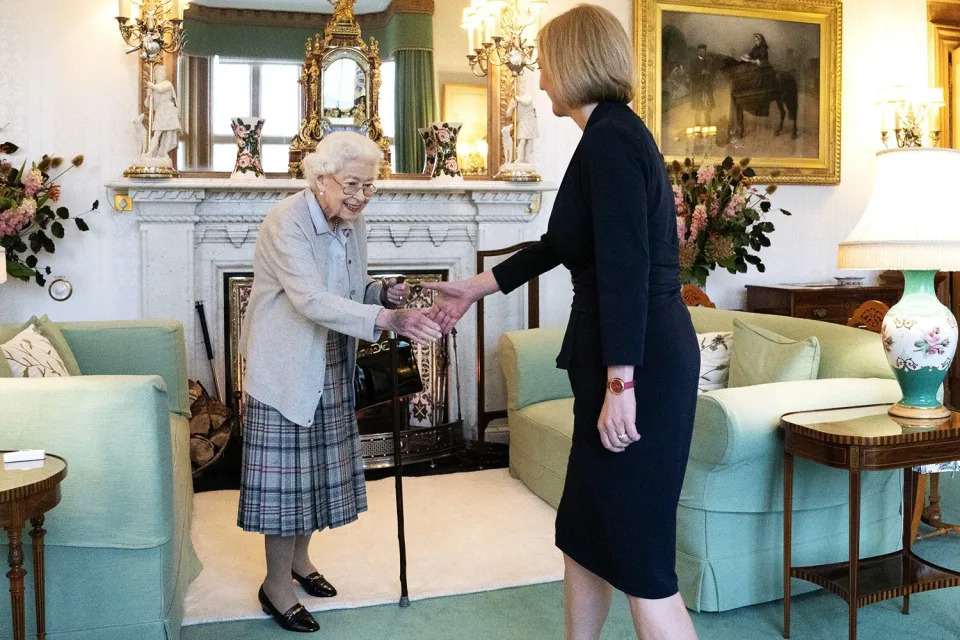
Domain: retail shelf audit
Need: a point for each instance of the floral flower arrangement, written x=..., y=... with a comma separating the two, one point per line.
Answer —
x=29, y=223
x=720, y=217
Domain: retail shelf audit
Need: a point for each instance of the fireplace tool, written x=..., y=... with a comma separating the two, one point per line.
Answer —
x=209, y=347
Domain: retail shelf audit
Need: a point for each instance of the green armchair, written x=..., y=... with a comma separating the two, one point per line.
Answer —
x=118, y=550
x=729, y=521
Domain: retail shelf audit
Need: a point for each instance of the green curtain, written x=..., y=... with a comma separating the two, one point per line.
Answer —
x=415, y=106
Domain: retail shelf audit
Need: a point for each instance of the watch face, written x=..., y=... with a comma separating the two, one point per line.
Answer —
x=616, y=386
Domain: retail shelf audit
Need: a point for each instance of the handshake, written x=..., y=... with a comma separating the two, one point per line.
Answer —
x=427, y=325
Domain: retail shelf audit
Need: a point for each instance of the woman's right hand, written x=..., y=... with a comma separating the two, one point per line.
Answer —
x=454, y=301
x=411, y=323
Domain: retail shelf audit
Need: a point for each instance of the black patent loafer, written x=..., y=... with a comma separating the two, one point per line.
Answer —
x=316, y=585
x=296, y=618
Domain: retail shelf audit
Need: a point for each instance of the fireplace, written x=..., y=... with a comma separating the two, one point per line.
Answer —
x=195, y=231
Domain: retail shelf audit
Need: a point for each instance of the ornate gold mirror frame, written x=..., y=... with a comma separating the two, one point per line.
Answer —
x=342, y=40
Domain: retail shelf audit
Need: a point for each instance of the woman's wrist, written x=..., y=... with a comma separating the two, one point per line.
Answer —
x=621, y=371
x=384, y=319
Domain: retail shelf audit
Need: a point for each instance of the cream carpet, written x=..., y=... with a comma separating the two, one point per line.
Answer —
x=466, y=532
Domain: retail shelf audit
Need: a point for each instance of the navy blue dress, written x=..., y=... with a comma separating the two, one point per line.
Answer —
x=613, y=226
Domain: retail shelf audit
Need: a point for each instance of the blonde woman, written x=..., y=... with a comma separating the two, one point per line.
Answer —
x=630, y=349
x=302, y=470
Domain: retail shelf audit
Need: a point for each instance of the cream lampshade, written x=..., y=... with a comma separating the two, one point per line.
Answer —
x=910, y=225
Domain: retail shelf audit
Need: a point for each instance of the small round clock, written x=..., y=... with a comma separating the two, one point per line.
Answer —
x=60, y=289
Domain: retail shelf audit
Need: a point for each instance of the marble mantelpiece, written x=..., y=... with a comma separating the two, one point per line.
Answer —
x=194, y=230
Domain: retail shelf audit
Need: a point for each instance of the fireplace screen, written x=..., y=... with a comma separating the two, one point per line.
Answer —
x=429, y=432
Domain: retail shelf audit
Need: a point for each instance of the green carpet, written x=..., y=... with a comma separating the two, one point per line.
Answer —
x=536, y=612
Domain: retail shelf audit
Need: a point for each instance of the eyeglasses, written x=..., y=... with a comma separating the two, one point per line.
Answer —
x=351, y=187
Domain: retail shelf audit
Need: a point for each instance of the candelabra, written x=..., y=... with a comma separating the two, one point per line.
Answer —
x=697, y=138
x=501, y=33
x=911, y=114
x=156, y=30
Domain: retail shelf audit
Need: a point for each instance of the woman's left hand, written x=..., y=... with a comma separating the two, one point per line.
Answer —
x=397, y=293
x=617, y=424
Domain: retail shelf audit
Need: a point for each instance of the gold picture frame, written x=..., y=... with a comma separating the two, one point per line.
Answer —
x=719, y=76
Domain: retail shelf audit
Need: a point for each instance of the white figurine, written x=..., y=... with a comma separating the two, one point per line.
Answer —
x=162, y=96
x=506, y=135
x=527, y=129
x=141, y=132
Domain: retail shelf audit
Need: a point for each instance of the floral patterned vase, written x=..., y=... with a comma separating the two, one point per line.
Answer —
x=446, y=166
x=246, y=131
x=920, y=339
x=429, y=150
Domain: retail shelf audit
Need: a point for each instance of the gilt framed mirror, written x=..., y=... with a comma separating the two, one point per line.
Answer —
x=246, y=58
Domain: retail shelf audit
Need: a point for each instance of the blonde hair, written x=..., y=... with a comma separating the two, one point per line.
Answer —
x=588, y=55
x=336, y=150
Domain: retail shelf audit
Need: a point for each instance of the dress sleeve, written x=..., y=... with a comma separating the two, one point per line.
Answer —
x=525, y=265
x=616, y=177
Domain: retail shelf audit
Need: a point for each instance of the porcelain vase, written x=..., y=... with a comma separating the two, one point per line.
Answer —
x=246, y=132
x=919, y=337
x=447, y=165
x=429, y=150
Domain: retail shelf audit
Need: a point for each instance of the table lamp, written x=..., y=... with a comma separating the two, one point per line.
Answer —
x=912, y=225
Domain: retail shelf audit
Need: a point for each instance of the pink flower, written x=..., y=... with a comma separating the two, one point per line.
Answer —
x=714, y=207
x=443, y=136
x=33, y=182
x=53, y=193
x=678, y=198
x=431, y=149
x=681, y=228
x=13, y=220
x=698, y=220
x=452, y=165
x=705, y=173
x=243, y=161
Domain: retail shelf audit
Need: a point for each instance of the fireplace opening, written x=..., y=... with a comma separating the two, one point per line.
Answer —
x=431, y=431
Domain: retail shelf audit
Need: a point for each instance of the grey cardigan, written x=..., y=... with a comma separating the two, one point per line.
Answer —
x=290, y=310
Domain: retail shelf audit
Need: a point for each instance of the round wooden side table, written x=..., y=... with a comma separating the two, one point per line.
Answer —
x=866, y=439
x=27, y=494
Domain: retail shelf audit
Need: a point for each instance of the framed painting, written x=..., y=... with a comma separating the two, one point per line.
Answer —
x=744, y=78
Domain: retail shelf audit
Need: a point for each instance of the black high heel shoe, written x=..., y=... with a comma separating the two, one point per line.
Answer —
x=296, y=618
x=315, y=584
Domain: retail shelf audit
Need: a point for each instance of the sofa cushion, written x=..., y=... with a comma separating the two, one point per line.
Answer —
x=762, y=356
x=30, y=355
x=845, y=352
x=715, y=350
x=529, y=365
x=64, y=360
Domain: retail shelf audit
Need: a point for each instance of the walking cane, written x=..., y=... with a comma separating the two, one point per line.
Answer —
x=398, y=466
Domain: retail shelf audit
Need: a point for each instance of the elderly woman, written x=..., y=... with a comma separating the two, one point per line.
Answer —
x=630, y=349
x=311, y=299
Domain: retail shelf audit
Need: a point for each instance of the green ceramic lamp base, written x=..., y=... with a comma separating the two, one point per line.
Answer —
x=919, y=337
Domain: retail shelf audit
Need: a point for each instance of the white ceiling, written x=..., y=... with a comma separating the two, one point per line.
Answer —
x=312, y=6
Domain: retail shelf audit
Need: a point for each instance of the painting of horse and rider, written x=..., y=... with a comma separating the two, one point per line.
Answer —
x=752, y=85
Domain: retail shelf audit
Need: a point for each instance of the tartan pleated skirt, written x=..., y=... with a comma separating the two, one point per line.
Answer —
x=299, y=479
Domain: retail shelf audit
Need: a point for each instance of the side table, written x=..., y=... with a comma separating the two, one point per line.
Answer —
x=866, y=439
x=27, y=494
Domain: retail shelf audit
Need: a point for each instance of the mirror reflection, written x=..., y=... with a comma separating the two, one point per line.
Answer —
x=245, y=57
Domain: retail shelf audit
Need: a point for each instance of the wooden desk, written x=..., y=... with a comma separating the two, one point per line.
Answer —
x=827, y=302
x=866, y=439
x=27, y=494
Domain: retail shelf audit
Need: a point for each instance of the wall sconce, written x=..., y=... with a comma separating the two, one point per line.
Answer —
x=910, y=113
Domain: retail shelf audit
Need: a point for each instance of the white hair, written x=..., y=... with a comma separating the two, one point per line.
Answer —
x=336, y=150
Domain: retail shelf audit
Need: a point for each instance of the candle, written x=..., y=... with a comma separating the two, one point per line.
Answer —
x=123, y=10
x=3, y=265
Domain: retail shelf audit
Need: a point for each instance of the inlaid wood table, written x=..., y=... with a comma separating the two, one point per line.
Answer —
x=27, y=494
x=866, y=439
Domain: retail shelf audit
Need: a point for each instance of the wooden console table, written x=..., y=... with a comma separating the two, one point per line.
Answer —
x=827, y=302
x=866, y=439
x=27, y=494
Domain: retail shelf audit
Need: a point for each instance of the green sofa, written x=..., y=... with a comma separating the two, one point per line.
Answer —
x=729, y=521
x=118, y=550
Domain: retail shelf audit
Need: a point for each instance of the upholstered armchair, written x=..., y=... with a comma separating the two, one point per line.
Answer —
x=729, y=521
x=118, y=550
